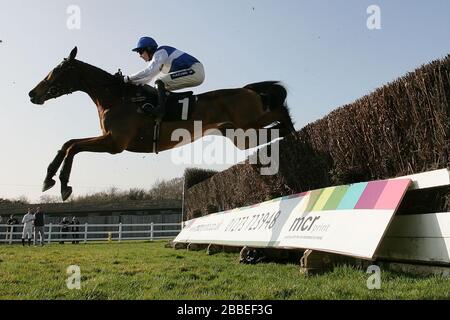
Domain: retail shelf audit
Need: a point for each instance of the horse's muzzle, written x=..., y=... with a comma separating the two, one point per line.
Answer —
x=34, y=99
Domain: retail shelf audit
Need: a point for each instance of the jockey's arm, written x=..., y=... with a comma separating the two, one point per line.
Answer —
x=154, y=67
x=27, y=218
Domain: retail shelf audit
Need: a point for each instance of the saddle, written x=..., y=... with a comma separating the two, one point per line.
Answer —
x=178, y=106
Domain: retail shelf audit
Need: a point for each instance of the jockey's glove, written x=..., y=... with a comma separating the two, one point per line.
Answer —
x=121, y=77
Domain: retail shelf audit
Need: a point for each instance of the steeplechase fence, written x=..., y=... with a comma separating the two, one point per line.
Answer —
x=357, y=221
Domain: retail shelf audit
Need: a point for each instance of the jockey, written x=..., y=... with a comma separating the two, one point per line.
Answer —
x=172, y=68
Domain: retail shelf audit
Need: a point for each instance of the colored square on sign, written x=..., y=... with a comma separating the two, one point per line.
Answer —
x=336, y=198
x=312, y=199
x=322, y=201
x=371, y=194
x=352, y=196
x=392, y=194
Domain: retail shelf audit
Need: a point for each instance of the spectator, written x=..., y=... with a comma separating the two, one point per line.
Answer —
x=12, y=222
x=64, y=229
x=27, y=221
x=39, y=224
x=75, y=228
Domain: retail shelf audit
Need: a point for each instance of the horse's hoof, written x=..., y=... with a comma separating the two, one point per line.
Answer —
x=48, y=184
x=66, y=192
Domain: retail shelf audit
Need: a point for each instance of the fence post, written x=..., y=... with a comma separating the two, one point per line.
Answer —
x=151, y=231
x=11, y=234
x=120, y=232
x=182, y=198
x=85, y=232
x=49, y=234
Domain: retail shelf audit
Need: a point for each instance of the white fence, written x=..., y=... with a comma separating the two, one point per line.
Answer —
x=95, y=232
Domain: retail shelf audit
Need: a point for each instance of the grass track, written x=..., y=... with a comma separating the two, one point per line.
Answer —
x=142, y=270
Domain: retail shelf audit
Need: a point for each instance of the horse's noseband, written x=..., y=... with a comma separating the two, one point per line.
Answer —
x=57, y=90
x=53, y=91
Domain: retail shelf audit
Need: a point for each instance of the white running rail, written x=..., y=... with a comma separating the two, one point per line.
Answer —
x=90, y=232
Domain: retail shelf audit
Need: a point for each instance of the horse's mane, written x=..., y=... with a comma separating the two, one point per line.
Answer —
x=101, y=78
x=106, y=78
x=96, y=70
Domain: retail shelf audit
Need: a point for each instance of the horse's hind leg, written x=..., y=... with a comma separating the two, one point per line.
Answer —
x=100, y=144
x=286, y=126
x=56, y=163
x=283, y=118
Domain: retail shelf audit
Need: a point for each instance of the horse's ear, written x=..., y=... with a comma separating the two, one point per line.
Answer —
x=73, y=54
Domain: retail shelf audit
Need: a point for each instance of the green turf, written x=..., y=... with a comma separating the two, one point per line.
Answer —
x=143, y=270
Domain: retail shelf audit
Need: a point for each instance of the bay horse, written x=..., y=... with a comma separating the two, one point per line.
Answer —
x=124, y=128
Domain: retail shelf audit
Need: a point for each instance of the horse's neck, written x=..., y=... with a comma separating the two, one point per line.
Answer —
x=98, y=84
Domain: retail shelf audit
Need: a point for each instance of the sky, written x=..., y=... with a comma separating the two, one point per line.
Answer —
x=323, y=51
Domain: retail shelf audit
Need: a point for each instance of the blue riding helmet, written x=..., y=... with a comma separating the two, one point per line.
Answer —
x=146, y=42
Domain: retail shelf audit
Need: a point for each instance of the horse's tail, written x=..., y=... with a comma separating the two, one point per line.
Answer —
x=273, y=94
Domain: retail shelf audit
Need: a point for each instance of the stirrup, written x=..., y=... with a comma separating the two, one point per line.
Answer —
x=149, y=109
x=146, y=108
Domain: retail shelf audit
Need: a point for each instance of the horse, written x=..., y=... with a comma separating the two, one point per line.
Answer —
x=124, y=127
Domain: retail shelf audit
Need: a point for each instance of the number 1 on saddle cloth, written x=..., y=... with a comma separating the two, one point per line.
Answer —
x=178, y=106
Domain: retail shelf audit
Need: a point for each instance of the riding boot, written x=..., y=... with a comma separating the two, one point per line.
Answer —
x=29, y=242
x=161, y=108
x=23, y=242
x=149, y=107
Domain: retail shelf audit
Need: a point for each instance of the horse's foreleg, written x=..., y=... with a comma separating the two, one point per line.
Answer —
x=56, y=163
x=99, y=144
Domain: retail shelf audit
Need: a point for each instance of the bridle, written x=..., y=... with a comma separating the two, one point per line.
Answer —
x=58, y=89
